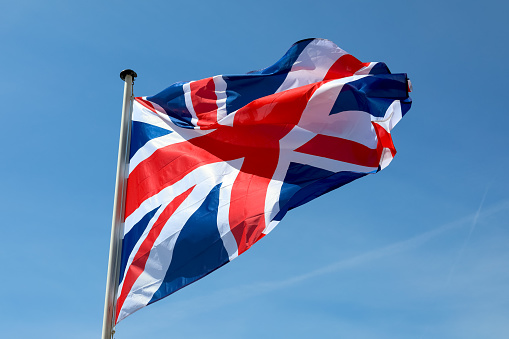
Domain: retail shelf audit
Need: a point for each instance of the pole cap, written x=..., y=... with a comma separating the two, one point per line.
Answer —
x=127, y=72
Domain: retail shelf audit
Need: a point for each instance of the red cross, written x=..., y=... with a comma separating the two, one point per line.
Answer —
x=254, y=136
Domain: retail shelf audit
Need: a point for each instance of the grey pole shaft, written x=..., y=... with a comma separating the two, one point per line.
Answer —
x=118, y=206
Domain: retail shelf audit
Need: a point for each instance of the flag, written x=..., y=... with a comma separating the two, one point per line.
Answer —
x=216, y=163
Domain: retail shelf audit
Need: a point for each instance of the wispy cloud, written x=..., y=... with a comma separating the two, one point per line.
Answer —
x=239, y=293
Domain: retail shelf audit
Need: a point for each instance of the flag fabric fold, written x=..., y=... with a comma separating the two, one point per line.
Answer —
x=216, y=163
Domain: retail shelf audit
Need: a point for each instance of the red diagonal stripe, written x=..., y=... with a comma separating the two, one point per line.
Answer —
x=384, y=138
x=204, y=99
x=345, y=66
x=247, y=203
x=342, y=150
x=140, y=259
x=163, y=168
x=283, y=108
x=145, y=103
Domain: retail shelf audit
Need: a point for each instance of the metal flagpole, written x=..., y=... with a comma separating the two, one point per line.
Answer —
x=128, y=76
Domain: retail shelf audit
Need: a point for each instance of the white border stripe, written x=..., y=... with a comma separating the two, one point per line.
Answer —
x=151, y=146
x=205, y=178
x=162, y=120
x=223, y=213
x=220, y=89
x=189, y=103
x=157, y=118
x=366, y=69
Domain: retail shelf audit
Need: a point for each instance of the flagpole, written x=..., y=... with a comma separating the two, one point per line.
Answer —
x=127, y=76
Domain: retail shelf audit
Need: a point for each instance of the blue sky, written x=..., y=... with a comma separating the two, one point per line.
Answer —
x=419, y=250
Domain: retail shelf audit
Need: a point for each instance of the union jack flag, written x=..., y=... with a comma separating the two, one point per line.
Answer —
x=216, y=163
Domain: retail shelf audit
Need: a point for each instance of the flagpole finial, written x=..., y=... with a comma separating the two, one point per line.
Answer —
x=126, y=72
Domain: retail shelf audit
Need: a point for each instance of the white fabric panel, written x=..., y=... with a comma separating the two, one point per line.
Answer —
x=312, y=64
x=352, y=125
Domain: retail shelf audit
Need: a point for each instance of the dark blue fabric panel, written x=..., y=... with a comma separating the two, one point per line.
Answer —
x=350, y=99
x=371, y=94
x=131, y=238
x=304, y=183
x=302, y=175
x=405, y=106
x=380, y=68
x=388, y=86
x=198, y=250
x=284, y=65
x=141, y=133
x=242, y=89
x=173, y=102
x=299, y=176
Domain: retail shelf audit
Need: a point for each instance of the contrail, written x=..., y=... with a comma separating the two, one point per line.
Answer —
x=462, y=249
x=467, y=240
